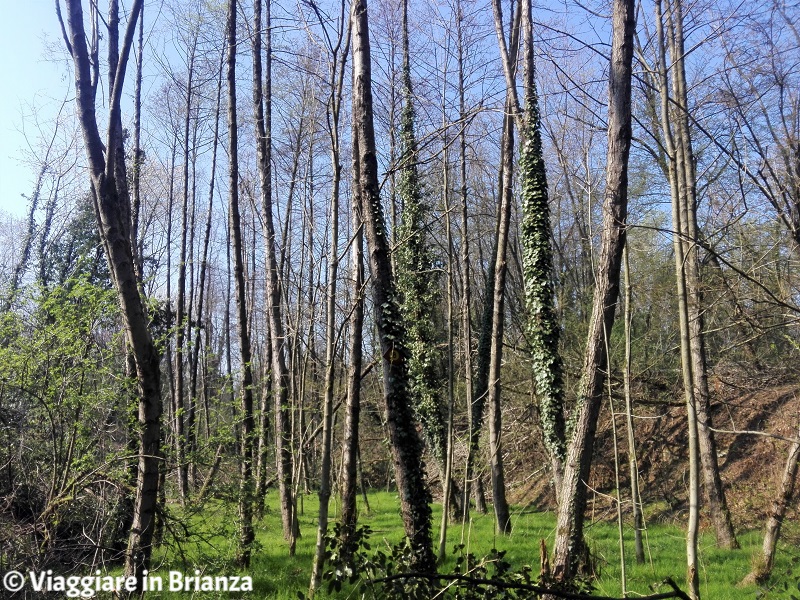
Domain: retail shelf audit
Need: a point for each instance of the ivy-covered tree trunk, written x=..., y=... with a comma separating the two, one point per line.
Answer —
x=537, y=261
x=419, y=281
x=406, y=446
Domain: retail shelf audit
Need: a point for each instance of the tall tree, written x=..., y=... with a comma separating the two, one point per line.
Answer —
x=112, y=204
x=543, y=327
x=684, y=162
x=406, y=446
x=262, y=102
x=339, y=50
x=418, y=279
x=245, y=417
x=569, y=544
x=490, y=348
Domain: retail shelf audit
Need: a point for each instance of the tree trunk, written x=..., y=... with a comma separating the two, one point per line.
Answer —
x=262, y=101
x=543, y=326
x=112, y=208
x=474, y=409
x=763, y=569
x=636, y=500
x=180, y=325
x=334, y=106
x=675, y=175
x=569, y=532
x=353, y=407
x=245, y=419
x=501, y=510
x=685, y=163
x=406, y=446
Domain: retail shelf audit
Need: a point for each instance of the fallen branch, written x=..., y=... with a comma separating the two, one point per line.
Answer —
x=675, y=593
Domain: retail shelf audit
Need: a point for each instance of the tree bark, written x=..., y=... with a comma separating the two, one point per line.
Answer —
x=262, y=101
x=112, y=208
x=406, y=446
x=687, y=181
x=569, y=532
x=245, y=419
x=678, y=212
x=334, y=105
x=633, y=466
x=501, y=510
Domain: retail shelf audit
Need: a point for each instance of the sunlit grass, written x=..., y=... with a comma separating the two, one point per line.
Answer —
x=211, y=548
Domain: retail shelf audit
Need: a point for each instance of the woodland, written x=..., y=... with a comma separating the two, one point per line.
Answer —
x=367, y=291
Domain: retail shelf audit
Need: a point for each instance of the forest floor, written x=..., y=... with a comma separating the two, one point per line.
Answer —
x=751, y=467
x=753, y=419
x=275, y=574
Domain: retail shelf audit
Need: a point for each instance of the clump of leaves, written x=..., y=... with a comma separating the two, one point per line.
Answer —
x=389, y=573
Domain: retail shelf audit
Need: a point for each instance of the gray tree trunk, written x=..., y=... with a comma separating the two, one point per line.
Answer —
x=112, y=208
x=501, y=510
x=569, y=533
x=406, y=446
x=245, y=419
x=687, y=181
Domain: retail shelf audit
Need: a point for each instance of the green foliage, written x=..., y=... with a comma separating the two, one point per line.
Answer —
x=78, y=252
x=537, y=260
x=418, y=283
x=380, y=574
x=63, y=397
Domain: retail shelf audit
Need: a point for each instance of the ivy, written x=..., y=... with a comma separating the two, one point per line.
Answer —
x=537, y=260
x=418, y=283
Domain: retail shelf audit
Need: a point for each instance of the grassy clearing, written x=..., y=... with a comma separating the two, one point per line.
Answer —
x=211, y=548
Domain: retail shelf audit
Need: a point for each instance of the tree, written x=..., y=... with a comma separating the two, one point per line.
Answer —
x=262, y=94
x=418, y=279
x=246, y=421
x=537, y=258
x=406, y=446
x=569, y=545
x=339, y=51
x=112, y=208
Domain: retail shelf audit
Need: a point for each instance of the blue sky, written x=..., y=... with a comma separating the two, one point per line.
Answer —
x=30, y=78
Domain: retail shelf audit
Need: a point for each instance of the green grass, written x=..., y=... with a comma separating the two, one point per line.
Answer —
x=212, y=545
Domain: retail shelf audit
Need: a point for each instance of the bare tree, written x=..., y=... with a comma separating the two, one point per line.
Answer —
x=569, y=544
x=246, y=422
x=406, y=446
x=112, y=203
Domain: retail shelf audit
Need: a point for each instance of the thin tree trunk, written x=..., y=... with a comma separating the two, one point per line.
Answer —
x=406, y=446
x=262, y=101
x=334, y=106
x=675, y=174
x=473, y=419
x=685, y=163
x=495, y=416
x=350, y=456
x=180, y=325
x=112, y=207
x=138, y=154
x=569, y=543
x=191, y=434
x=246, y=423
x=636, y=500
x=448, y=465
